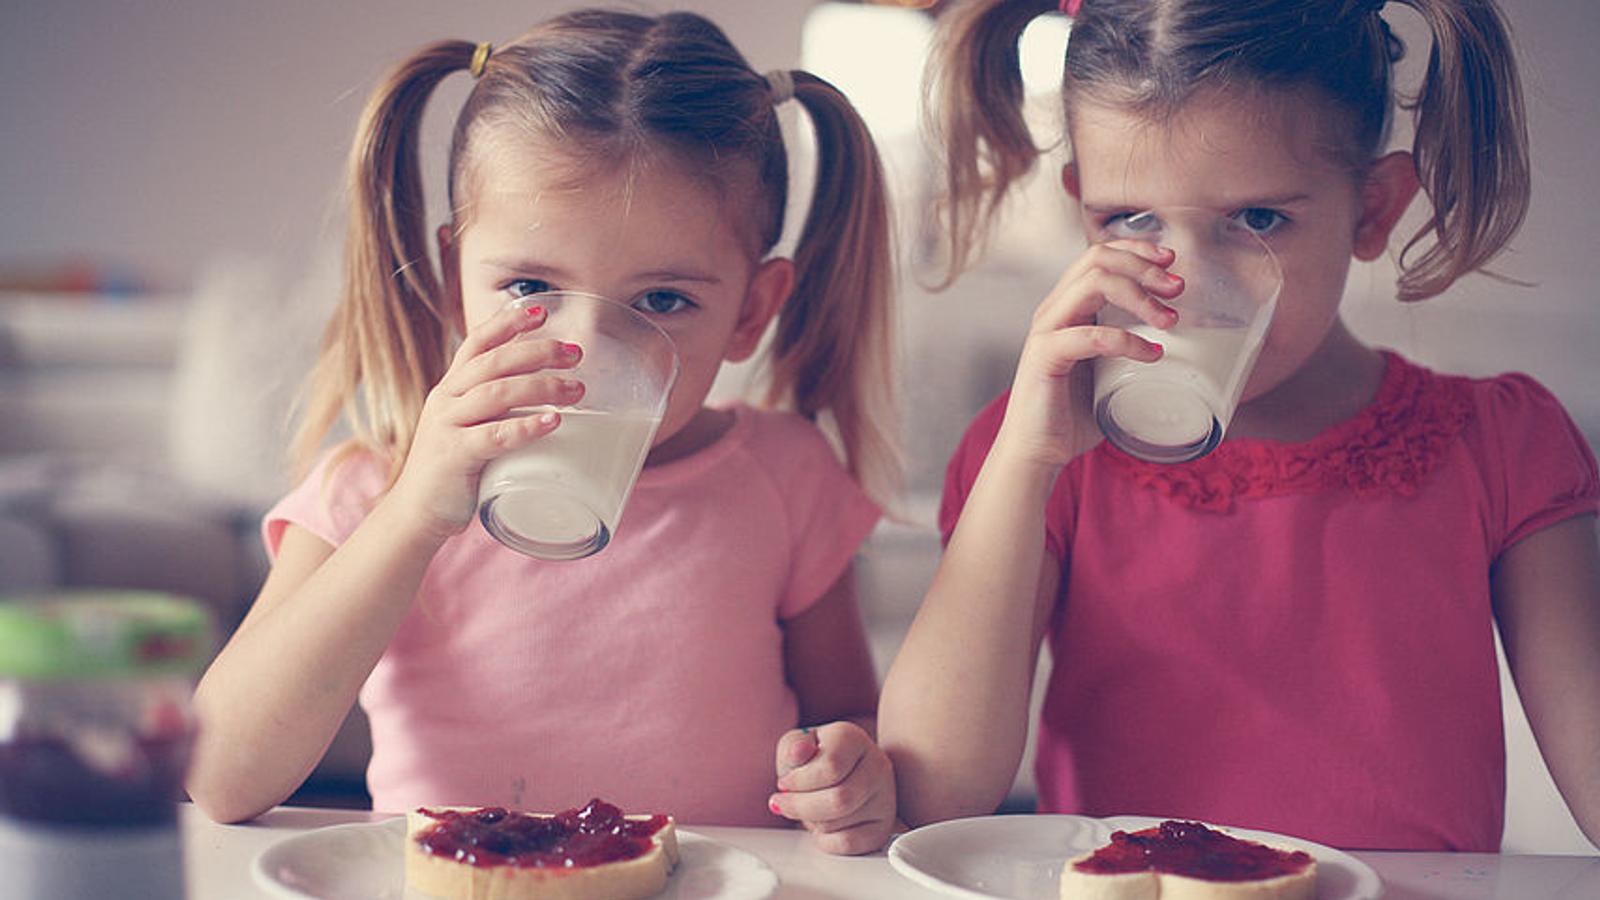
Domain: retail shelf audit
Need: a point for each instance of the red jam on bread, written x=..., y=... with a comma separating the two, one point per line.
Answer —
x=1189, y=860
x=579, y=854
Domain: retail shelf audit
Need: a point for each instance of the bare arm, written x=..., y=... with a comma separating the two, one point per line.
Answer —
x=831, y=775
x=954, y=714
x=276, y=694
x=1547, y=602
x=279, y=690
x=828, y=661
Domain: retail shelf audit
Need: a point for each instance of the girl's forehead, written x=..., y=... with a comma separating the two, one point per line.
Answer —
x=552, y=177
x=523, y=200
x=1217, y=149
x=511, y=164
x=540, y=192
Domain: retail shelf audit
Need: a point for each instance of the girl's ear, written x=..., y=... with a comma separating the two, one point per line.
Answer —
x=1069, y=180
x=450, y=271
x=770, y=286
x=1388, y=190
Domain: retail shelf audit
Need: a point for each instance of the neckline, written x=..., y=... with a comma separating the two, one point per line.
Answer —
x=710, y=455
x=1388, y=446
x=1392, y=387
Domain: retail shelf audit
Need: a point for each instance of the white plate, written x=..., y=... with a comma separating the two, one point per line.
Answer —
x=365, y=861
x=1020, y=857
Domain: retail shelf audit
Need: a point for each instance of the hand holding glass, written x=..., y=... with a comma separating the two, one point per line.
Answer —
x=1178, y=408
x=562, y=496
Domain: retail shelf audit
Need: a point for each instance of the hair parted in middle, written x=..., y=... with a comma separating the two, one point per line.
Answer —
x=1151, y=56
x=609, y=90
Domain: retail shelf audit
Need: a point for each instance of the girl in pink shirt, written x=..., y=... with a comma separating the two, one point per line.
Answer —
x=710, y=662
x=1295, y=632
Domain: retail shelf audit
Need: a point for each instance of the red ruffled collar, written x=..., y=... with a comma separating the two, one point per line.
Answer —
x=1389, y=447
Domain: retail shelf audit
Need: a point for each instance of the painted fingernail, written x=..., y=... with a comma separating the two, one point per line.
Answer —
x=571, y=385
x=534, y=311
x=570, y=350
x=776, y=809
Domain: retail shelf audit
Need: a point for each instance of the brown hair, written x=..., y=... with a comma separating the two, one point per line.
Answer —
x=620, y=87
x=1471, y=146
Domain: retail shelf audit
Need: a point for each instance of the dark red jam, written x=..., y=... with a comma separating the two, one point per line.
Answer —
x=574, y=839
x=109, y=780
x=1195, y=851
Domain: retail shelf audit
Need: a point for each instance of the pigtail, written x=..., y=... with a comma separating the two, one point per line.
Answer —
x=1471, y=146
x=387, y=343
x=832, y=350
x=975, y=96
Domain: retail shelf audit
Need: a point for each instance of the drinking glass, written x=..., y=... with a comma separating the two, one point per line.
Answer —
x=1178, y=408
x=561, y=497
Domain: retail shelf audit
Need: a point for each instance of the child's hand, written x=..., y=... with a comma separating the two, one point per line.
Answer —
x=1049, y=418
x=839, y=784
x=468, y=418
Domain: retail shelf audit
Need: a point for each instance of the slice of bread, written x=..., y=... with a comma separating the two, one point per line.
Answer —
x=1188, y=861
x=585, y=854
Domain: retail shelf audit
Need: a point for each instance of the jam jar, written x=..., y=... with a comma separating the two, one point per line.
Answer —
x=95, y=734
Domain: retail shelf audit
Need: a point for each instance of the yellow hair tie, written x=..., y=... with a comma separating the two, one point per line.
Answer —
x=480, y=58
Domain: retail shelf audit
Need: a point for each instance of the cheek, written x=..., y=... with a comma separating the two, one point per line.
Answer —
x=694, y=373
x=1307, y=308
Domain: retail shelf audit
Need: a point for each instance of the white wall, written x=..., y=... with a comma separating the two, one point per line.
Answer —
x=163, y=132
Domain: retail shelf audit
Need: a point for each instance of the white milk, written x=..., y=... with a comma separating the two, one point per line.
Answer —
x=1156, y=400
x=570, y=485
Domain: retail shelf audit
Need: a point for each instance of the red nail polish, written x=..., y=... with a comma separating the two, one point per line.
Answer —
x=776, y=810
x=570, y=349
x=534, y=311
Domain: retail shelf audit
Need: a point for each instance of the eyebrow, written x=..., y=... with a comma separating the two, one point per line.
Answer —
x=1250, y=203
x=530, y=267
x=693, y=276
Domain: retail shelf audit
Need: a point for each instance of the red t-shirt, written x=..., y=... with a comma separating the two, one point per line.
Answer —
x=1298, y=637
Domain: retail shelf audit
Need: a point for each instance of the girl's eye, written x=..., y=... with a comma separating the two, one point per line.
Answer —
x=1140, y=224
x=522, y=287
x=1259, y=219
x=662, y=302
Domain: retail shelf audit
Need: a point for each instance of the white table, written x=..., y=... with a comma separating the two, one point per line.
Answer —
x=218, y=859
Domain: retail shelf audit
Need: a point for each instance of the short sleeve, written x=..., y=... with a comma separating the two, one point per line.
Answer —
x=962, y=472
x=1540, y=468
x=829, y=515
x=330, y=502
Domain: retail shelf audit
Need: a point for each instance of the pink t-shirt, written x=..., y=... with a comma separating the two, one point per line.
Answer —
x=1299, y=638
x=650, y=674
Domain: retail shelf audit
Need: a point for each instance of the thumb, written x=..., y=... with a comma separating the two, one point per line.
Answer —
x=795, y=749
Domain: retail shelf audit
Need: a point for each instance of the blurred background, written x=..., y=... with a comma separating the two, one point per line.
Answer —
x=171, y=181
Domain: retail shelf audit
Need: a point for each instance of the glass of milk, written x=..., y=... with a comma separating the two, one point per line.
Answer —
x=1178, y=408
x=562, y=496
